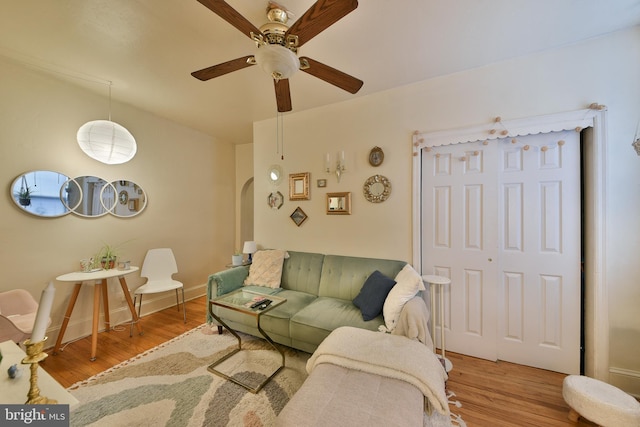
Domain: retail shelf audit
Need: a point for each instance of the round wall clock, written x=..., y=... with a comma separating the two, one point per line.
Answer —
x=376, y=156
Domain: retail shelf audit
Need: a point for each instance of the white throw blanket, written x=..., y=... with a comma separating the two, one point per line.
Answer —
x=386, y=355
x=413, y=322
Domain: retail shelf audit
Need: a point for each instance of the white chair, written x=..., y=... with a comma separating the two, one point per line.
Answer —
x=17, y=315
x=158, y=267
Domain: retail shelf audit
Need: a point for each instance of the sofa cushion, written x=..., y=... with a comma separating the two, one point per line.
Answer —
x=343, y=276
x=262, y=290
x=277, y=320
x=315, y=322
x=301, y=272
x=408, y=284
x=266, y=268
x=372, y=295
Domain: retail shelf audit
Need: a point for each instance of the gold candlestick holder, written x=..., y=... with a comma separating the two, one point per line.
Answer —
x=34, y=356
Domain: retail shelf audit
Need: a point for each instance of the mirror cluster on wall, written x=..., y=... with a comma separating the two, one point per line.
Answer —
x=53, y=194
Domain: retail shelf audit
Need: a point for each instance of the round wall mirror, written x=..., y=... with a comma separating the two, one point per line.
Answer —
x=131, y=199
x=43, y=193
x=96, y=197
x=52, y=194
x=377, y=189
x=275, y=174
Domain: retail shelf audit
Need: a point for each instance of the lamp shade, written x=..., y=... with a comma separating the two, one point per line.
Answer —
x=107, y=142
x=249, y=247
x=278, y=61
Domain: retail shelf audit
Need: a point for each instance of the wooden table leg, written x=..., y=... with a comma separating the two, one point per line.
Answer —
x=105, y=305
x=573, y=415
x=67, y=315
x=96, y=317
x=134, y=316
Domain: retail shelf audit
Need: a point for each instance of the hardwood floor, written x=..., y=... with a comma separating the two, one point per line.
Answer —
x=492, y=394
x=72, y=364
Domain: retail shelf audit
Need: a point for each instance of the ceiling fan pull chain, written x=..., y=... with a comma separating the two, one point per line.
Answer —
x=281, y=120
x=280, y=135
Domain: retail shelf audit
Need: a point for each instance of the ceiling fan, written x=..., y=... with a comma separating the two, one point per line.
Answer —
x=277, y=45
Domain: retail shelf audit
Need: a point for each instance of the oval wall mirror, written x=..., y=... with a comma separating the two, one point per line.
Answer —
x=53, y=194
x=275, y=174
x=43, y=193
x=96, y=197
x=131, y=199
x=377, y=189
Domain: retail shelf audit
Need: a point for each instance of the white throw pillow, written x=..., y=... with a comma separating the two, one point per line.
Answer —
x=408, y=283
x=266, y=268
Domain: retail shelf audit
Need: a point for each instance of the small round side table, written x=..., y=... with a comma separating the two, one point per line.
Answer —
x=439, y=281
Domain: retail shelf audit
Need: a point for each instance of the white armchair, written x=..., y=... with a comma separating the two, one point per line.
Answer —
x=17, y=315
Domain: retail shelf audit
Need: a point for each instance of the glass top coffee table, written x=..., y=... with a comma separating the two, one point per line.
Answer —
x=248, y=303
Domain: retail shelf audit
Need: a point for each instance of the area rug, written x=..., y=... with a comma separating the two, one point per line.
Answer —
x=171, y=386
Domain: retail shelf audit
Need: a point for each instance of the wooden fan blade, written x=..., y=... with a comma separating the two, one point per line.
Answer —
x=319, y=17
x=232, y=16
x=224, y=68
x=331, y=75
x=283, y=95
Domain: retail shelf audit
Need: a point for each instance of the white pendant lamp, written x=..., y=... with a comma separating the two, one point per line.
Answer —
x=107, y=141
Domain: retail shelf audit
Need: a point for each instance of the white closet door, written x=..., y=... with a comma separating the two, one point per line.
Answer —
x=460, y=242
x=503, y=222
x=540, y=227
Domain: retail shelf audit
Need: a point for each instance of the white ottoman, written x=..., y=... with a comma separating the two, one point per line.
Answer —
x=600, y=402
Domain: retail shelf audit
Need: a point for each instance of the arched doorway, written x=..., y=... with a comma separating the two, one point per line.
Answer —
x=246, y=212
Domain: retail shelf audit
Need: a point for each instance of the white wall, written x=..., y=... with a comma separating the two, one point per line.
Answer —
x=184, y=173
x=244, y=194
x=603, y=70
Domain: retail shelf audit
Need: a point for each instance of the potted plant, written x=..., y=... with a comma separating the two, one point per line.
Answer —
x=107, y=256
x=236, y=259
x=24, y=196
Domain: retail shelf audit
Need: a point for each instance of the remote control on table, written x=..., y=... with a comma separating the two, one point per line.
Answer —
x=265, y=304
x=258, y=303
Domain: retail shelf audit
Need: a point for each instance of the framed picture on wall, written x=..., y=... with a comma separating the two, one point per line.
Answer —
x=298, y=216
x=299, y=186
x=339, y=203
x=275, y=200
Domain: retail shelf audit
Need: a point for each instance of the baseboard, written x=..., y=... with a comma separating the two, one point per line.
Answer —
x=626, y=380
x=119, y=315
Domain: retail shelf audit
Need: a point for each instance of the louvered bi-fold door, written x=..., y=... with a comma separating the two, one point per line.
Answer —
x=502, y=220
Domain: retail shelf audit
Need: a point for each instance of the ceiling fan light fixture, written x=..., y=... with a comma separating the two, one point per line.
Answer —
x=107, y=142
x=277, y=61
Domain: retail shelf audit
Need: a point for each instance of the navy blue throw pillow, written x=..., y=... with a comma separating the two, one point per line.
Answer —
x=371, y=298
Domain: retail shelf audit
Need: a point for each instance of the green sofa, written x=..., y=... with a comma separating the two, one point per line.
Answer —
x=319, y=290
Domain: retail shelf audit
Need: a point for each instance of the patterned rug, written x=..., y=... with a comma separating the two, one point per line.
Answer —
x=171, y=386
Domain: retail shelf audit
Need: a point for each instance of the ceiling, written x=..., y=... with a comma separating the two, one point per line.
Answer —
x=148, y=48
